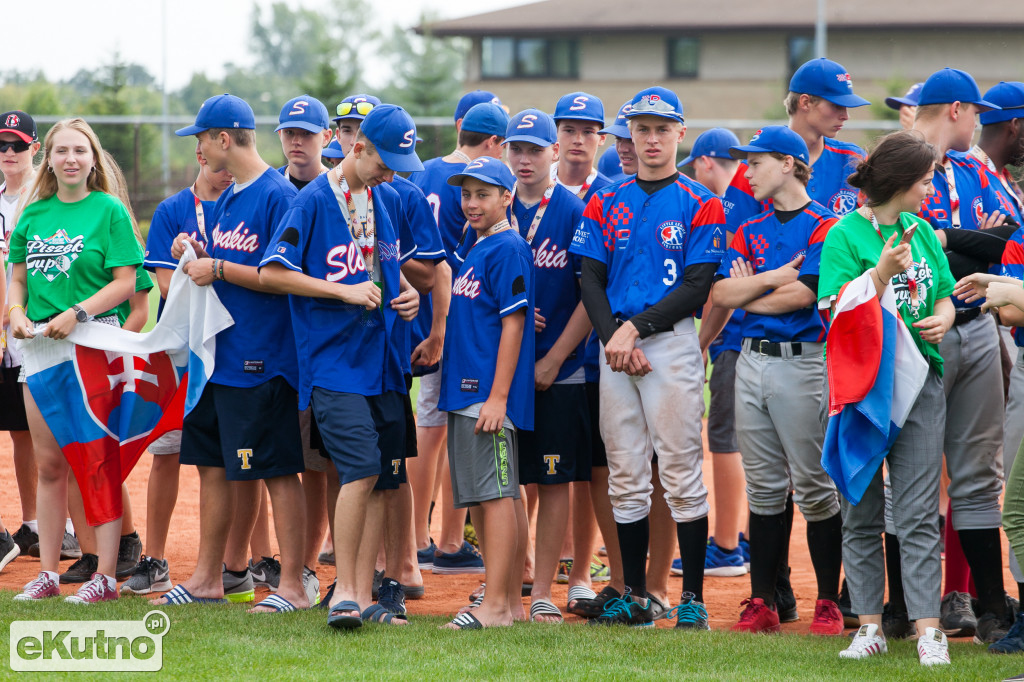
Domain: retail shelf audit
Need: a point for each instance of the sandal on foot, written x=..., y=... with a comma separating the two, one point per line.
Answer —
x=338, y=619
x=179, y=595
x=527, y=589
x=576, y=593
x=375, y=613
x=544, y=607
x=466, y=621
x=594, y=607
x=276, y=602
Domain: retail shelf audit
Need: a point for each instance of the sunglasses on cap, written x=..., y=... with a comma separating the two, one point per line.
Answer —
x=653, y=105
x=362, y=108
x=18, y=146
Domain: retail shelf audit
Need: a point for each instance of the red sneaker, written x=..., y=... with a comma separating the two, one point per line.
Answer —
x=757, y=617
x=40, y=588
x=828, y=619
x=96, y=590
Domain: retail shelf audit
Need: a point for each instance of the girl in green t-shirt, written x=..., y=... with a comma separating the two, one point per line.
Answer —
x=885, y=239
x=75, y=256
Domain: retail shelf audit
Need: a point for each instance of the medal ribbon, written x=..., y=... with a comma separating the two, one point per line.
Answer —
x=363, y=231
x=538, y=216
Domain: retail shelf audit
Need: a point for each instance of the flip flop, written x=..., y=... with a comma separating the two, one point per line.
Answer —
x=658, y=608
x=477, y=593
x=576, y=593
x=278, y=603
x=467, y=621
x=544, y=607
x=178, y=595
x=336, y=619
x=375, y=613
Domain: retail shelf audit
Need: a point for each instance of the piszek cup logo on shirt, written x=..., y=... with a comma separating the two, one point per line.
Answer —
x=53, y=256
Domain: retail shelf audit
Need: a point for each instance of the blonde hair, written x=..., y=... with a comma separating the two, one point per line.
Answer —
x=792, y=101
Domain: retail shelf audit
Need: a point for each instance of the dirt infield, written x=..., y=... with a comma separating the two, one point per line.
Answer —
x=444, y=594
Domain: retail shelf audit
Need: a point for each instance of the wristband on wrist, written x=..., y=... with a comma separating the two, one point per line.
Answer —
x=213, y=268
x=221, y=270
x=11, y=310
x=879, y=277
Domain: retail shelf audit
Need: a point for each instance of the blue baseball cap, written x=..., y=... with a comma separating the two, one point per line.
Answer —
x=393, y=132
x=909, y=99
x=349, y=107
x=826, y=79
x=1010, y=97
x=774, y=139
x=471, y=99
x=610, y=166
x=221, y=111
x=579, y=106
x=486, y=169
x=618, y=128
x=715, y=142
x=333, y=151
x=486, y=118
x=952, y=85
x=533, y=126
x=656, y=101
x=304, y=112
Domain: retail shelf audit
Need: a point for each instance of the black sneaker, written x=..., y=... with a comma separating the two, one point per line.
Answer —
x=391, y=596
x=129, y=552
x=266, y=573
x=81, y=571
x=896, y=625
x=850, y=618
x=991, y=629
x=8, y=549
x=956, y=617
x=378, y=578
x=690, y=614
x=785, y=600
x=592, y=608
x=25, y=537
x=69, y=548
x=625, y=611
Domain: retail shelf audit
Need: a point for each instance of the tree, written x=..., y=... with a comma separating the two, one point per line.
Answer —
x=427, y=71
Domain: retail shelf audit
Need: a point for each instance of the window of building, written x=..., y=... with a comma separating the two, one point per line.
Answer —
x=800, y=50
x=683, y=57
x=529, y=58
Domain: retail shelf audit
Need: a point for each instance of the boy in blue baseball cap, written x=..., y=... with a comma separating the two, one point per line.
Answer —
x=580, y=118
x=304, y=131
x=487, y=385
x=350, y=114
x=906, y=105
x=1001, y=144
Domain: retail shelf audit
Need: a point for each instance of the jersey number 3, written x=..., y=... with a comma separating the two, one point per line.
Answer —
x=671, y=272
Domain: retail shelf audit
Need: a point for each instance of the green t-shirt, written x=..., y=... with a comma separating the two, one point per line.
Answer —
x=853, y=246
x=143, y=282
x=70, y=249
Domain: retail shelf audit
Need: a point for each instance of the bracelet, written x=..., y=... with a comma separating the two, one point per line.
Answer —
x=213, y=268
x=879, y=277
x=222, y=270
x=13, y=307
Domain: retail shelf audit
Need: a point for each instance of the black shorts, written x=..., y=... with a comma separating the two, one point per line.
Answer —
x=558, y=449
x=12, y=401
x=345, y=429
x=252, y=433
x=388, y=411
x=722, y=410
x=410, y=422
x=598, y=456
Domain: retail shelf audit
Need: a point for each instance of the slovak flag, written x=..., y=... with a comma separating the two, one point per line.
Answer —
x=875, y=373
x=107, y=393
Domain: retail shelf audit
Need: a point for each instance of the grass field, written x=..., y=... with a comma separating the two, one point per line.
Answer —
x=212, y=642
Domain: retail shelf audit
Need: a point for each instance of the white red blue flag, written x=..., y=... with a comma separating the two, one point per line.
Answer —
x=875, y=373
x=107, y=393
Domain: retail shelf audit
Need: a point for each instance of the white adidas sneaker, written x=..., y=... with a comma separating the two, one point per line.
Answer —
x=932, y=648
x=868, y=641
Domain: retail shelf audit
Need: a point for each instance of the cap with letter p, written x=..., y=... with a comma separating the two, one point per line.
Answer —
x=715, y=142
x=1010, y=97
x=656, y=101
x=778, y=139
x=947, y=85
x=393, y=132
x=305, y=112
x=618, y=128
x=533, y=126
x=827, y=79
x=221, y=111
x=579, y=106
x=485, y=169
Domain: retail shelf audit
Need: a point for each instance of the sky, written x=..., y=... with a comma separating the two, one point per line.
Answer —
x=71, y=34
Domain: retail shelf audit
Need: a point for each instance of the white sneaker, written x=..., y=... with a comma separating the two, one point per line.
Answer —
x=868, y=641
x=311, y=585
x=932, y=648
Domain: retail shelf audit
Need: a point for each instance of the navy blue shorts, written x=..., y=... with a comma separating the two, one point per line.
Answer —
x=388, y=410
x=598, y=456
x=346, y=427
x=558, y=450
x=252, y=433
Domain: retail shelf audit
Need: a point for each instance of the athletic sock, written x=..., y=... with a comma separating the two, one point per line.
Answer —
x=69, y=527
x=33, y=525
x=825, y=543
x=53, y=575
x=784, y=558
x=111, y=582
x=634, y=541
x=984, y=555
x=767, y=537
x=134, y=535
x=894, y=574
x=693, y=547
x=237, y=574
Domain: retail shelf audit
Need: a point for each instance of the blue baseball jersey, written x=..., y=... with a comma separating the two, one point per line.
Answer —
x=767, y=244
x=175, y=214
x=1009, y=201
x=646, y=241
x=828, y=185
x=1013, y=266
x=260, y=345
x=344, y=347
x=445, y=202
x=496, y=281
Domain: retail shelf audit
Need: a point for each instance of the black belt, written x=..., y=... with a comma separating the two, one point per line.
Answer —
x=965, y=315
x=774, y=348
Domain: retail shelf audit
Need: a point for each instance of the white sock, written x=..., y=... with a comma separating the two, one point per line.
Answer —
x=111, y=582
x=69, y=527
x=52, y=575
x=33, y=525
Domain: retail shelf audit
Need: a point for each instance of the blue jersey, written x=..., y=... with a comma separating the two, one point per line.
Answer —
x=1013, y=266
x=344, y=347
x=445, y=201
x=260, y=345
x=176, y=214
x=1004, y=186
x=496, y=281
x=737, y=201
x=647, y=241
x=828, y=185
x=767, y=244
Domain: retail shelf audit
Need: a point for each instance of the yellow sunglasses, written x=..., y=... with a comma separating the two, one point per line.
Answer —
x=362, y=108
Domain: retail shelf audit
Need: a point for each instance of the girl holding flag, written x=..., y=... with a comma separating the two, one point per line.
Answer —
x=884, y=242
x=75, y=257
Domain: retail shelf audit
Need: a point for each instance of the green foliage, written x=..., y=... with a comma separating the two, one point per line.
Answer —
x=428, y=71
